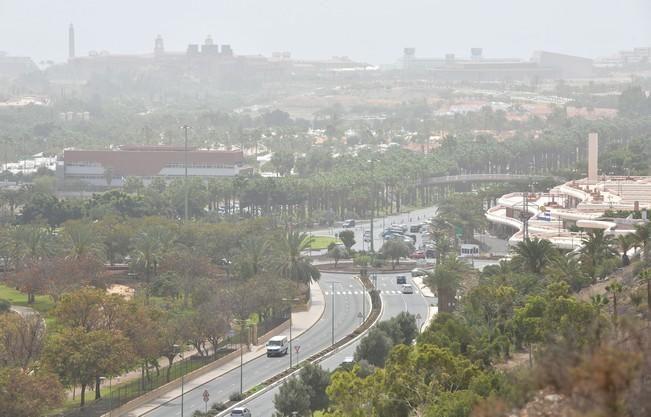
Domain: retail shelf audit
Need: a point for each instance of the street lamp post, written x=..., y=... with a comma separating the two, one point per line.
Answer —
x=185, y=165
x=372, y=205
x=241, y=322
x=418, y=318
x=290, y=301
x=177, y=347
x=332, y=294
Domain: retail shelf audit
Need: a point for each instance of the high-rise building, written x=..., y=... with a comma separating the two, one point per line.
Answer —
x=159, y=46
x=71, y=42
x=593, y=158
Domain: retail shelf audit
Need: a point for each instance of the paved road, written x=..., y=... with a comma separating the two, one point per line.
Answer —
x=347, y=306
x=394, y=303
x=413, y=217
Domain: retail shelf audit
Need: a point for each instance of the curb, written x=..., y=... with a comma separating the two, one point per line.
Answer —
x=230, y=370
x=274, y=384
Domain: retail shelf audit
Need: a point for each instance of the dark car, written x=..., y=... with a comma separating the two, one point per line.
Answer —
x=401, y=279
x=415, y=228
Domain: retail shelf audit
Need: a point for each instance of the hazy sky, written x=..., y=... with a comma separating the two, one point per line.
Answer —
x=370, y=30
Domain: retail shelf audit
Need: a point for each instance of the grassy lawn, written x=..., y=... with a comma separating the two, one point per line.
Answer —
x=322, y=242
x=43, y=303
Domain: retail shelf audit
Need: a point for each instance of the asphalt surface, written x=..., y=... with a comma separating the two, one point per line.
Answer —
x=394, y=303
x=347, y=308
x=413, y=217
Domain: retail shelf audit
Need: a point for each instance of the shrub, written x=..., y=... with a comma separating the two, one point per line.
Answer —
x=5, y=305
x=219, y=406
x=236, y=396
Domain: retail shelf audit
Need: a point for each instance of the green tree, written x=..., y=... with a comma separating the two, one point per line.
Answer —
x=597, y=248
x=348, y=238
x=446, y=281
x=289, y=260
x=28, y=394
x=293, y=397
x=133, y=185
x=148, y=252
x=453, y=404
x=81, y=357
x=569, y=270
x=645, y=276
x=643, y=236
x=374, y=348
x=534, y=254
x=625, y=243
x=395, y=249
x=82, y=238
x=336, y=253
x=634, y=102
x=529, y=322
x=316, y=379
x=615, y=289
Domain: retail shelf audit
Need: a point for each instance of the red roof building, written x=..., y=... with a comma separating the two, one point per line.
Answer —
x=111, y=168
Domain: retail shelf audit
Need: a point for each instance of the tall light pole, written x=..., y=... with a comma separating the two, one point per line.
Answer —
x=332, y=294
x=290, y=301
x=185, y=165
x=373, y=204
x=242, y=323
x=182, y=375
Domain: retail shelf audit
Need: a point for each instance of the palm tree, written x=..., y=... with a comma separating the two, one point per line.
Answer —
x=446, y=281
x=534, y=254
x=289, y=260
x=597, y=247
x=443, y=247
x=251, y=256
x=569, y=270
x=646, y=277
x=615, y=289
x=625, y=243
x=82, y=237
x=148, y=250
x=599, y=301
x=643, y=235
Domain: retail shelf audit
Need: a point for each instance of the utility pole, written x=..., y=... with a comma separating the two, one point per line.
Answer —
x=185, y=165
x=525, y=216
x=373, y=204
x=333, y=314
x=290, y=301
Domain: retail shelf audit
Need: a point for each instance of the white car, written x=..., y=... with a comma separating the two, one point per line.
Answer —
x=240, y=412
x=407, y=289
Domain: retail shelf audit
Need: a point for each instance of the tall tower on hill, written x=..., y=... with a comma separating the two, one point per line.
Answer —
x=71, y=42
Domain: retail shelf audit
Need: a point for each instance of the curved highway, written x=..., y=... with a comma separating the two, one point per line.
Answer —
x=348, y=303
x=394, y=303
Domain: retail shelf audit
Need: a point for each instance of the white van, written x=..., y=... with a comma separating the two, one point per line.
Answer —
x=277, y=346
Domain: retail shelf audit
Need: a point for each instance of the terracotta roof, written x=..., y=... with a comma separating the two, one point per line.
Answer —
x=150, y=162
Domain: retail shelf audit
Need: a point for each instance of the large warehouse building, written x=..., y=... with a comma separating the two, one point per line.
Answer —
x=111, y=168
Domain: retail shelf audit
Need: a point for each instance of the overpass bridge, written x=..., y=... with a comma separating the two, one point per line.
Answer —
x=475, y=178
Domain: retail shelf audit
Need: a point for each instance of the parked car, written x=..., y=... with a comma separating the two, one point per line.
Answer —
x=407, y=289
x=349, y=223
x=419, y=254
x=415, y=228
x=240, y=412
x=418, y=272
x=401, y=279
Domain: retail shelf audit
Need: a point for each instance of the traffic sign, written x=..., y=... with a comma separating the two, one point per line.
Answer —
x=206, y=396
x=297, y=348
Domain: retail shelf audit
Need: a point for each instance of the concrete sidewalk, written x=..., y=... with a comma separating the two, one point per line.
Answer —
x=302, y=321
